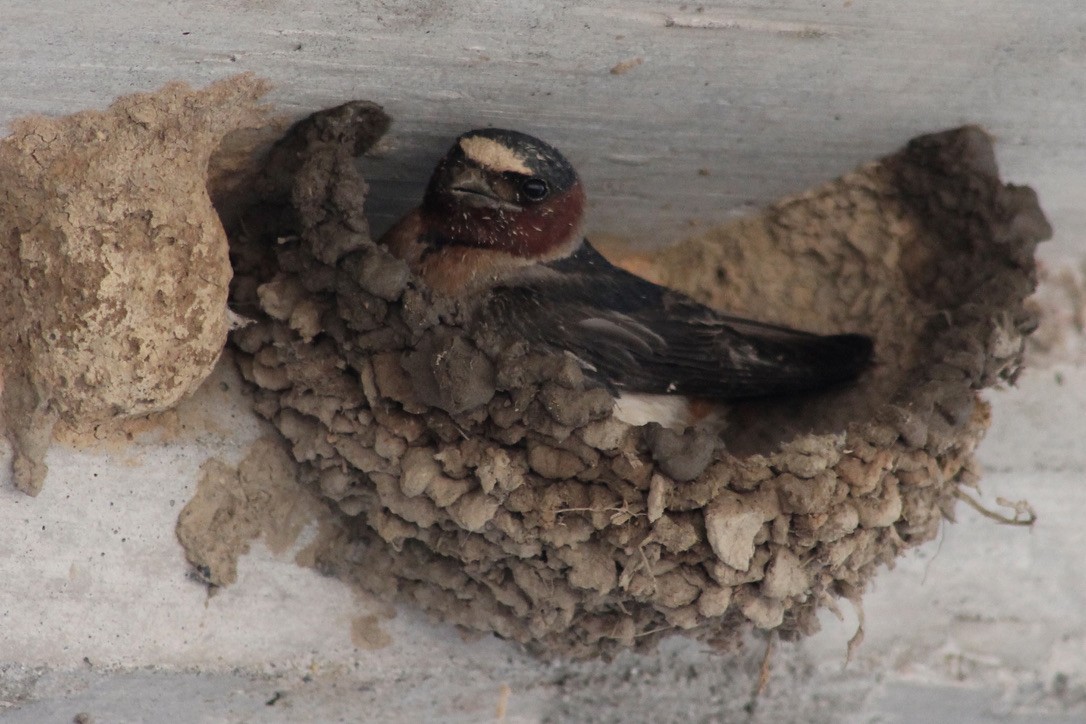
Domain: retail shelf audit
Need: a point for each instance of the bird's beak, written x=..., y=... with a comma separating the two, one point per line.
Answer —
x=471, y=187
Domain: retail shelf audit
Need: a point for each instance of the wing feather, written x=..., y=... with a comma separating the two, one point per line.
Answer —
x=640, y=337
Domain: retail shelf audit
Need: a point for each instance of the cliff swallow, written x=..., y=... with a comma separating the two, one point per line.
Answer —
x=501, y=223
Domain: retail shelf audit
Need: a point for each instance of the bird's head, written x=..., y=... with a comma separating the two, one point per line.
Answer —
x=504, y=191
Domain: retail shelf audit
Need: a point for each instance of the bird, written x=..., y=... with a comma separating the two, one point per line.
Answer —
x=501, y=224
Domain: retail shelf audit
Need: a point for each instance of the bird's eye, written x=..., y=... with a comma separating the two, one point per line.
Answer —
x=535, y=188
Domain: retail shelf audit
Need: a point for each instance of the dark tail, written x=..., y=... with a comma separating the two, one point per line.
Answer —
x=847, y=355
x=796, y=363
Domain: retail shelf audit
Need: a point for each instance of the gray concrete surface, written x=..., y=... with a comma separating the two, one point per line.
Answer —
x=97, y=614
x=768, y=96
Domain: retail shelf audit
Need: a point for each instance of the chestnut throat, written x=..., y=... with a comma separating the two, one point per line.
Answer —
x=533, y=231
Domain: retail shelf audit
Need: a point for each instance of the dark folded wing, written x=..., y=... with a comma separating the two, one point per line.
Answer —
x=637, y=336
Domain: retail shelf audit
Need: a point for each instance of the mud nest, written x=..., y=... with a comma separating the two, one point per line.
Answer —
x=487, y=482
x=113, y=263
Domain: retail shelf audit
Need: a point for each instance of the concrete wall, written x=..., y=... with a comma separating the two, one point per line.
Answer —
x=731, y=105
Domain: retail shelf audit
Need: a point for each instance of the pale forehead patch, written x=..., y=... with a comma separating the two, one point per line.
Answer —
x=493, y=155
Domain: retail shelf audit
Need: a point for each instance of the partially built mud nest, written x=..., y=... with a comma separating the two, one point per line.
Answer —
x=487, y=481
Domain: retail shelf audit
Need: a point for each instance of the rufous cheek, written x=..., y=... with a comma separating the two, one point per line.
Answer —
x=542, y=229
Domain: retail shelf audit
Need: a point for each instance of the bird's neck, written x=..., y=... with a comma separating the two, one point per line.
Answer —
x=545, y=231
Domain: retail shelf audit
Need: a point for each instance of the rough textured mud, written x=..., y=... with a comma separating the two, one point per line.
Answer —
x=115, y=264
x=487, y=483
x=234, y=506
